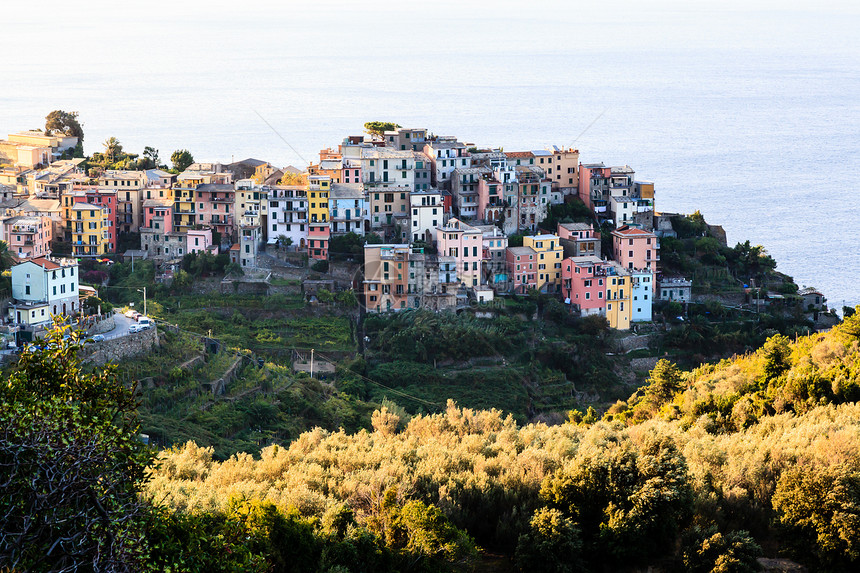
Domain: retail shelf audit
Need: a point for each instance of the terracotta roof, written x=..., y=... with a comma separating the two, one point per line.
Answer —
x=235, y=247
x=520, y=154
x=45, y=263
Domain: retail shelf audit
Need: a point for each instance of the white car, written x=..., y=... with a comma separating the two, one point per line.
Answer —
x=132, y=328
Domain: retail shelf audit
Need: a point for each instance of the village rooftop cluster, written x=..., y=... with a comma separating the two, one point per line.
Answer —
x=444, y=209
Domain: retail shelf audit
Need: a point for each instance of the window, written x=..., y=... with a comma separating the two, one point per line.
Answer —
x=27, y=289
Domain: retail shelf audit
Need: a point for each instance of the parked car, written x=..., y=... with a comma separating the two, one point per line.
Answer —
x=134, y=327
x=97, y=337
x=145, y=322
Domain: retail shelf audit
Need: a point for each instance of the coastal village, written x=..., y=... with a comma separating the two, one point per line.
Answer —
x=444, y=223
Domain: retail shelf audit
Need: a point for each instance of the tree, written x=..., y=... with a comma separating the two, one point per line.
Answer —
x=59, y=121
x=551, y=544
x=7, y=258
x=113, y=149
x=709, y=551
x=379, y=128
x=182, y=159
x=72, y=464
x=291, y=178
x=150, y=159
x=665, y=381
x=820, y=509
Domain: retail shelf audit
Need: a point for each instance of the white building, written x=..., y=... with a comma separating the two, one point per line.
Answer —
x=42, y=287
x=381, y=166
x=427, y=213
x=446, y=154
x=288, y=214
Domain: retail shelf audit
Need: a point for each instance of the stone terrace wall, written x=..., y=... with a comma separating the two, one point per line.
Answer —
x=117, y=349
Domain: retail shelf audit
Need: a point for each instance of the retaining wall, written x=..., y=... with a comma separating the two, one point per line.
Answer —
x=116, y=349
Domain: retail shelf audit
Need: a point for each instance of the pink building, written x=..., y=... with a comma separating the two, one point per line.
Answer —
x=522, y=268
x=583, y=284
x=158, y=215
x=594, y=185
x=28, y=237
x=634, y=248
x=491, y=201
x=318, y=238
x=465, y=243
x=199, y=240
x=214, y=203
x=350, y=171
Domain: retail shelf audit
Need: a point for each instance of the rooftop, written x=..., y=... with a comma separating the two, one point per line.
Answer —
x=520, y=251
x=52, y=263
x=346, y=191
x=627, y=231
x=576, y=226
x=586, y=260
x=519, y=155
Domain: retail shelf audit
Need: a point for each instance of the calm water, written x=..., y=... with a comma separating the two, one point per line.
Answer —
x=747, y=111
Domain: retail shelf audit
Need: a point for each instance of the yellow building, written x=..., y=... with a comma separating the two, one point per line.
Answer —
x=319, y=187
x=619, y=285
x=549, y=254
x=90, y=228
x=184, y=212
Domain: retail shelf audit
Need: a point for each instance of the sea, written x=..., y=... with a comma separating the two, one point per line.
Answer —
x=748, y=111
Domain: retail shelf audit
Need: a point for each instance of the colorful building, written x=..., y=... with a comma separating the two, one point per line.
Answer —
x=90, y=229
x=428, y=212
x=522, y=269
x=28, y=237
x=495, y=246
x=288, y=214
x=642, y=295
x=386, y=277
x=346, y=208
x=635, y=248
x=319, y=187
x=319, y=235
x=200, y=241
x=43, y=287
x=579, y=239
x=215, y=208
x=549, y=254
x=465, y=243
x=619, y=288
x=583, y=284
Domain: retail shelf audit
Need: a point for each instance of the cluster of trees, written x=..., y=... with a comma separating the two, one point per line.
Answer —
x=695, y=472
x=567, y=497
x=571, y=211
x=113, y=157
x=695, y=248
x=782, y=376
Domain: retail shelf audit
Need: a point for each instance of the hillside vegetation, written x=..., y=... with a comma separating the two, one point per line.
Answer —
x=696, y=472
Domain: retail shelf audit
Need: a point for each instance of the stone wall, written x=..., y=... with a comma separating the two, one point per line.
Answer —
x=104, y=325
x=731, y=299
x=117, y=349
x=633, y=342
x=231, y=286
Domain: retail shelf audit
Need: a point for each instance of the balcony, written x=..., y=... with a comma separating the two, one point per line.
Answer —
x=28, y=242
x=222, y=199
x=24, y=230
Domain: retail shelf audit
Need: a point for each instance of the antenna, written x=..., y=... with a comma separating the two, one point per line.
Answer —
x=281, y=137
x=588, y=127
